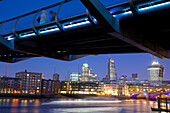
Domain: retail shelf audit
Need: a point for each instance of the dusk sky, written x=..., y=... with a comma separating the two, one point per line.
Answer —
x=126, y=64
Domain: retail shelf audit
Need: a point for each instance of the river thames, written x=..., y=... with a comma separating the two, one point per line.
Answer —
x=67, y=105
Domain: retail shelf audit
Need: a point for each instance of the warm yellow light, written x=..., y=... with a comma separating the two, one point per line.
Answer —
x=64, y=92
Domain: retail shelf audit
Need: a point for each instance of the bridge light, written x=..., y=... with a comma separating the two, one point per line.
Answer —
x=77, y=24
x=51, y=30
x=9, y=37
x=150, y=7
x=155, y=6
x=26, y=35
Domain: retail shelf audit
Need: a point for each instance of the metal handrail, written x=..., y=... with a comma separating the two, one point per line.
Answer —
x=33, y=23
x=47, y=7
x=60, y=26
x=2, y=24
x=14, y=29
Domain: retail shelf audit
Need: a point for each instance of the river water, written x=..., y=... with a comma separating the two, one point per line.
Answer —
x=67, y=105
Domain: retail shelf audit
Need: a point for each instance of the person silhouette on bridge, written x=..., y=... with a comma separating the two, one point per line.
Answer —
x=53, y=15
x=43, y=17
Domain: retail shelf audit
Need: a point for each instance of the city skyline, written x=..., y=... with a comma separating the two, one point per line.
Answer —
x=64, y=68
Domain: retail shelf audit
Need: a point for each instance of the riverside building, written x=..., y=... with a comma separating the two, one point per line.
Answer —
x=81, y=87
x=50, y=87
x=10, y=85
x=31, y=82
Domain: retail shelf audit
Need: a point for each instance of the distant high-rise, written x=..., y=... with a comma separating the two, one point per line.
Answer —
x=56, y=76
x=156, y=71
x=111, y=70
x=86, y=72
x=135, y=76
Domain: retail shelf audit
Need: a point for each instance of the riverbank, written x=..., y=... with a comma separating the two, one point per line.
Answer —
x=78, y=96
x=38, y=96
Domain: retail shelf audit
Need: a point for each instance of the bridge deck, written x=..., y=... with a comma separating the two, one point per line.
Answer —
x=148, y=30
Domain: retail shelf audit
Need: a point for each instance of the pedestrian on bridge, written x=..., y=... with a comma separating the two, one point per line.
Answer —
x=43, y=17
x=53, y=16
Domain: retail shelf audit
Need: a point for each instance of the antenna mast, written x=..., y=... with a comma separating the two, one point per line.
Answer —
x=6, y=71
x=54, y=68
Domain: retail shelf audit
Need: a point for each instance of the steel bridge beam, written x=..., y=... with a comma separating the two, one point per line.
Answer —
x=144, y=45
x=102, y=15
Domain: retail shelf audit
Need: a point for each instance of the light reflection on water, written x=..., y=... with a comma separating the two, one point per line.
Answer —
x=14, y=105
x=88, y=110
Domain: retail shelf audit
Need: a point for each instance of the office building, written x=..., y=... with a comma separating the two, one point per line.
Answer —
x=93, y=77
x=81, y=87
x=115, y=89
x=111, y=70
x=56, y=76
x=135, y=76
x=166, y=83
x=65, y=87
x=156, y=72
x=85, y=72
x=75, y=77
x=149, y=89
x=31, y=82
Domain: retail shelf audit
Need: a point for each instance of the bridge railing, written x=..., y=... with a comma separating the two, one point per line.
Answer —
x=30, y=19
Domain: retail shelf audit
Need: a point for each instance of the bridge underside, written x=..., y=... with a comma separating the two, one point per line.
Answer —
x=148, y=32
x=77, y=43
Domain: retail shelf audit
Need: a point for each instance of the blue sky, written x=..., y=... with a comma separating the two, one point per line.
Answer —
x=126, y=64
